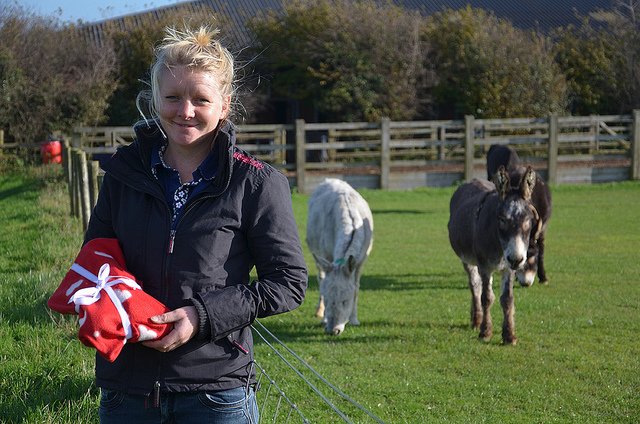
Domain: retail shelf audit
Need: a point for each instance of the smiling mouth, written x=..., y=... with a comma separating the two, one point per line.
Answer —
x=185, y=125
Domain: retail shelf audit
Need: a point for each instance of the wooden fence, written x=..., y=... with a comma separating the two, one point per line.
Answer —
x=403, y=155
x=400, y=155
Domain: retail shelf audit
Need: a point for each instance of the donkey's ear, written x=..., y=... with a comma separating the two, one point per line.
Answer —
x=351, y=262
x=501, y=181
x=323, y=263
x=527, y=183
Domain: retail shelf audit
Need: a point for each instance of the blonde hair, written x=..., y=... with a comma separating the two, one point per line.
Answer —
x=197, y=49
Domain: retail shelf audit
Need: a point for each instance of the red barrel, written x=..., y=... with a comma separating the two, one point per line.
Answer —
x=51, y=152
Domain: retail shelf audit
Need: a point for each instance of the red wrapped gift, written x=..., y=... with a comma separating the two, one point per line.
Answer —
x=110, y=303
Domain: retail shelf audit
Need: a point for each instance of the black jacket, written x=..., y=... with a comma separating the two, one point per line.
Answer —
x=242, y=219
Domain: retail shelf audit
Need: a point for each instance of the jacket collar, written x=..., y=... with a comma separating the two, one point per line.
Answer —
x=129, y=161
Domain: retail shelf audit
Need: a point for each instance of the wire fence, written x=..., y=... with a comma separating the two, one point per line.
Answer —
x=300, y=393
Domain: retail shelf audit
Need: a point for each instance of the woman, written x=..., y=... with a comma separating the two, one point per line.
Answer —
x=194, y=214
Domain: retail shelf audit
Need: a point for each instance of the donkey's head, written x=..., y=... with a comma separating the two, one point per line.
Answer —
x=338, y=290
x=518, y=220
x=527, y=274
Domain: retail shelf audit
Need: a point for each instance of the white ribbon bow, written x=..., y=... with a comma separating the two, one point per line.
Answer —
x=103, y=281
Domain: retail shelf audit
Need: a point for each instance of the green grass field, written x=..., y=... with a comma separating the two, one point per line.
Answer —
x=414, y=358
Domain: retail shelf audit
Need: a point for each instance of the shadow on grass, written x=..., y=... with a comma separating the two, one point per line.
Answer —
x=26, y=310
x=368, y=332
x=401, y=212
x=46, y=392
x=28, y=187
x=406, y=282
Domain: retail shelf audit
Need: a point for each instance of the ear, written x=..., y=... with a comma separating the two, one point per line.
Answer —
x=538, y=221
x=351, y=263
x=323, y=263
x=501, y=180
x=226, y=105
x=527, y=183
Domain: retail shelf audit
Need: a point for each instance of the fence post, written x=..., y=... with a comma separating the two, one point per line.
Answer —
x=300, y=155
x=552, y=157
x=469, y=135
x=331, y=140
x=442, y=137
x=385, y=153
x=94, y=187
x=67, y=167
x=75, y=185
x=84, y=189
x=635, y=146
x=76, y=138
x=282, y=144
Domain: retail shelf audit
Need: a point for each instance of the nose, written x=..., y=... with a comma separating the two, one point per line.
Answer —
x=186, y=109
x=338, y=329
x=515, y=261
x=526, y=277
x=335, y=330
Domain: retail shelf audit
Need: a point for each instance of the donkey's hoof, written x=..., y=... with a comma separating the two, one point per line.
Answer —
x=485, y=337
x=510, y=342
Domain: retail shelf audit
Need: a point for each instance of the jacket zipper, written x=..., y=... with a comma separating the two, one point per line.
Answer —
x=172, y=233
x=172, y=237
x=156, y=394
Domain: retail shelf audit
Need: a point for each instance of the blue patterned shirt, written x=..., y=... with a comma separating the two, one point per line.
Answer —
x=176, y=193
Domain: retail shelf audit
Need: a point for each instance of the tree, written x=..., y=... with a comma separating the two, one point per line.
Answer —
x=620, y=31
x=486, y=67
x=351, y=60
x=51, y=77
x=589, y=58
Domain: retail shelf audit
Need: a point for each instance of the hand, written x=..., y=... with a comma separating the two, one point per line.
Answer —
x=185, y=326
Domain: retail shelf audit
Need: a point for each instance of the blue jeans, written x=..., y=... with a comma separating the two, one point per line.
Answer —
x=234, y=406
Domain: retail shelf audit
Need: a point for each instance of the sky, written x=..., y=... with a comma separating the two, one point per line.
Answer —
x=89, y=10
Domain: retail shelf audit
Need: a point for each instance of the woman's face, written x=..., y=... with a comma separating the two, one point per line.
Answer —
x=191, y=105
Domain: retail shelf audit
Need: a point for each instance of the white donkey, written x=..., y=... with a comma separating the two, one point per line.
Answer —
x=340, y=237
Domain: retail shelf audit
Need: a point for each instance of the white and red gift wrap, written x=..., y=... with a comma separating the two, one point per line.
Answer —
x=111, y=305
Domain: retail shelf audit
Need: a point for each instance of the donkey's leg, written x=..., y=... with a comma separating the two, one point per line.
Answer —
x=542, y=275
x=486, y=328
x=320, y=306
x=508, y=308
x=353, y=318
x=475, y=285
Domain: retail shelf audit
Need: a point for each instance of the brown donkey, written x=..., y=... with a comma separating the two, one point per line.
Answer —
x=541, y=200
x=490, y=227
